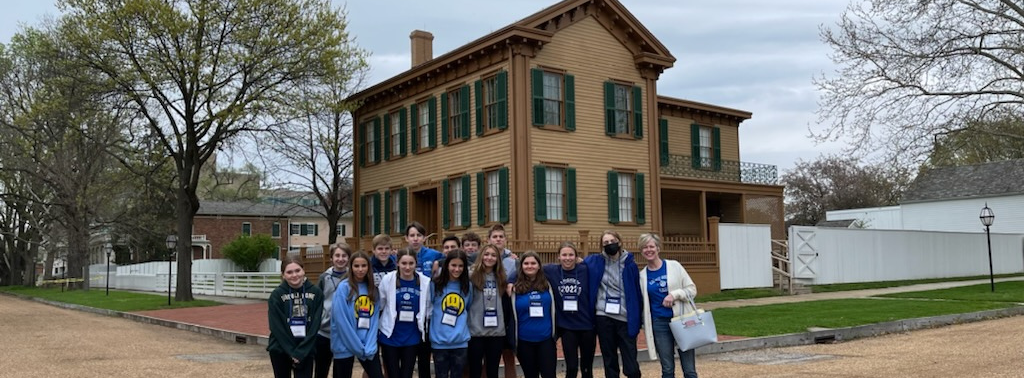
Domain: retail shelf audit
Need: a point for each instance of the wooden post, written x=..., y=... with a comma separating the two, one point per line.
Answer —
x=582, y=244
x=713, y=237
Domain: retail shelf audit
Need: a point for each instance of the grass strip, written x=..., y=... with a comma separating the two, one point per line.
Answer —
x=728, y=295
x=780, y=319
x=1011, y=291
x=118, y=300
x=884, y=284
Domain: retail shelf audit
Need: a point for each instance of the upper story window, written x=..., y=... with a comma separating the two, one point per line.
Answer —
x=370, y=132
x=706, y=144
x=623, y=110
x=424, y=125
x=553, y=99
x=455, y=115
x=490, y=96
x=396, y=134
x=275, y=230
x=246, y=229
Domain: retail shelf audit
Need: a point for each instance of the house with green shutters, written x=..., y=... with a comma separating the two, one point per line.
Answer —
x=554, y=128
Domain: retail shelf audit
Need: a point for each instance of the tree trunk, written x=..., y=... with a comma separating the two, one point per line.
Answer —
x=185, y=208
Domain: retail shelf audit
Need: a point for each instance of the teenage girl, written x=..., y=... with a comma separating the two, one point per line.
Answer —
x=488, y=313
x=449, y=331
x=294, y=310
x=354, y=320
x=329, y=281
x=404, y=306
x=573, y=310
x=534, y=319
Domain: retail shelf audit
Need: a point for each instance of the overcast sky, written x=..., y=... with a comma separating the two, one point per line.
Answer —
x=753, y=55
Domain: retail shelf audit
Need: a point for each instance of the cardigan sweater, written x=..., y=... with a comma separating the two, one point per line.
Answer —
x=680, y=287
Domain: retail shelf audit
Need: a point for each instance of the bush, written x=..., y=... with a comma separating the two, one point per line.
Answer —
x=249, y=251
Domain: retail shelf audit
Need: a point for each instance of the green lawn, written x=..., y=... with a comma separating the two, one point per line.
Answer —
x=779, y=319
x=885, y=284
x=117, y=301
x=728, y=295
x=1012, y=291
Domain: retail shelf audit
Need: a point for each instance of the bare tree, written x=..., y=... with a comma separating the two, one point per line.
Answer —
x=911, y=70
x=835, y=183
x=201, y=72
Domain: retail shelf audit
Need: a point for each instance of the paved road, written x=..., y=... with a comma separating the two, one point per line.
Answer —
x=37, y=340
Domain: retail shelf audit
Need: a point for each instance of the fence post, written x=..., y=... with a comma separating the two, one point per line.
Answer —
x=218, y=283
x=582, y=244
x=713, y=237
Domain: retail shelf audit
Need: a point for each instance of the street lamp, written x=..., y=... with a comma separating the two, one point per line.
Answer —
x=987, y=217
x=109, y=250
x=172, y=243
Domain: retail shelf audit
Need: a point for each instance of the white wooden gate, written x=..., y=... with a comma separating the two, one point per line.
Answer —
x=803, y=252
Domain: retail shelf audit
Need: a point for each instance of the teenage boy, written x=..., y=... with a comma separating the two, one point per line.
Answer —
x=415, y=234
x=471, y=245
x=383, y=261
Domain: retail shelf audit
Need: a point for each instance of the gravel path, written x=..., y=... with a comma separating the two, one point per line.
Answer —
x=37, y=340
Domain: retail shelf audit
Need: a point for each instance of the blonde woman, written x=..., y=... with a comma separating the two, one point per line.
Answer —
x=666, y=287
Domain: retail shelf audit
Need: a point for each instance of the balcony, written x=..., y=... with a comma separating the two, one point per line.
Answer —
x=722, y=170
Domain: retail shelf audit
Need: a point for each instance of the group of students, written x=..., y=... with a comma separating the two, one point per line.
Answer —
x=473, y=304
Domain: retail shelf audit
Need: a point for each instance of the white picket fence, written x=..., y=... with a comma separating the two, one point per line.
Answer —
x=209, y=277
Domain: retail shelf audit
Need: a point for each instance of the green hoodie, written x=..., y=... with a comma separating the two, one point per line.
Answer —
x=279, y=308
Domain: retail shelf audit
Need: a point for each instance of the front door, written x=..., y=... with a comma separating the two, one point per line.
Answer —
x=423, y=209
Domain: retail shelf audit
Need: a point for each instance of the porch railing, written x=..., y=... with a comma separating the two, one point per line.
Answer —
x=722, y=170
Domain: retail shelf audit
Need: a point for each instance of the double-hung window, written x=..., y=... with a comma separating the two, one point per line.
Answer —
x=554, y=193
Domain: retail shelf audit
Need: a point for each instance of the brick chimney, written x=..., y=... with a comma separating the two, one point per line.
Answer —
x=422, y=47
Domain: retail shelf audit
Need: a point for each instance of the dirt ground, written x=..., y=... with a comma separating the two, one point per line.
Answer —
x=38, y=340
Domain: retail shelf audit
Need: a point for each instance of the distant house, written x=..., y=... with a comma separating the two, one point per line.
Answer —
x=951, y=199
x=218, y=223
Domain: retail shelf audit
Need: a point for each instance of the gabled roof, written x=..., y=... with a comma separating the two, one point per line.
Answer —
x=979, y=180
x=253, y=209
x=536, y=29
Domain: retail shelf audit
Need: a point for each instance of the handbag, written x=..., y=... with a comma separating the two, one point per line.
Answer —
x=692, y=332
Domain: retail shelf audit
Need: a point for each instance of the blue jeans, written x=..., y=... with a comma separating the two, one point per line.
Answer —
x=666, y=346
x=448, y=363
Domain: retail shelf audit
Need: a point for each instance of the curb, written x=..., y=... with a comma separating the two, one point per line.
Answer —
x=856, y=332
x=238, y=337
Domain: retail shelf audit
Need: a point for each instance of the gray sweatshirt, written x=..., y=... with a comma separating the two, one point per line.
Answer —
x=487, y=298
x=611, y=285
x=328, y=283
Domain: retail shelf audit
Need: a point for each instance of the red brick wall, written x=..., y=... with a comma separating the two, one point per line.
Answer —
x=220, y=231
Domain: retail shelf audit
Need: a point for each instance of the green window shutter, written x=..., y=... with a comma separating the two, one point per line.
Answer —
x=501, y=94
x=303, y=229
x=481, y=203
x=540, y=207
x=376, y=140
x=360, y=137
x=432, y=104
x=695, y=146
x=503, y=195
x=613, y=197
x=446, y=202
x=478, y=93
x=466, y=208
x=609, y=108
x=537, y=77
x=403, y=206
x=464, y=109
x=387, y=212
x=387, y=137
x=444, y=120
x=362, y=216
x=316, y=230
x=570, y=195
x=570, y=102
x=641, y=214
x=716, y=146
x=403, y=125
x=663, y=141
x=414, y=129
x=376, y=213
x=638, y=113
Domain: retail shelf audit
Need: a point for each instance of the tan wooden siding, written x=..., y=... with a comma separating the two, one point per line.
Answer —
x=576, y=49
x=679, y=137
x=682, y=213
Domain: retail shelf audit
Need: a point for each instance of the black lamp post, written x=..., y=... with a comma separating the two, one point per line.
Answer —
x=172, y=243
x=987, y=217
x=109, y=250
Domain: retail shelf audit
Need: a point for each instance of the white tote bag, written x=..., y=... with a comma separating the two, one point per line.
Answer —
x=692, y=332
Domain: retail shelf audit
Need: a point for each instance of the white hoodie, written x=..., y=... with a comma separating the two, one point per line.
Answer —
x=389, y=305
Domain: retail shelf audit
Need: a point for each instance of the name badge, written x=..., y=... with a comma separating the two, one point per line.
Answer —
x=406, y=314
x=570, y=303
x=490, y=318
x=536, y=310
x=612, y=306
x=364, y=319
x=450, y=317
x=298, y=326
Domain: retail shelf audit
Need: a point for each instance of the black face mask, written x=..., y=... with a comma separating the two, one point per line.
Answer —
x=611, y=249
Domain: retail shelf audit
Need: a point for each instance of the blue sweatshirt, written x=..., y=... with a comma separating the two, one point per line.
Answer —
x=425, y=258
x=630, y=287
x=455, y=303
x=380, y=269
x=348, y=339
x=572, y=284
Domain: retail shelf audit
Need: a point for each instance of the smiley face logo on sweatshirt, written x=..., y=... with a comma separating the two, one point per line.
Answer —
x=453, y=302
x=363, y=304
